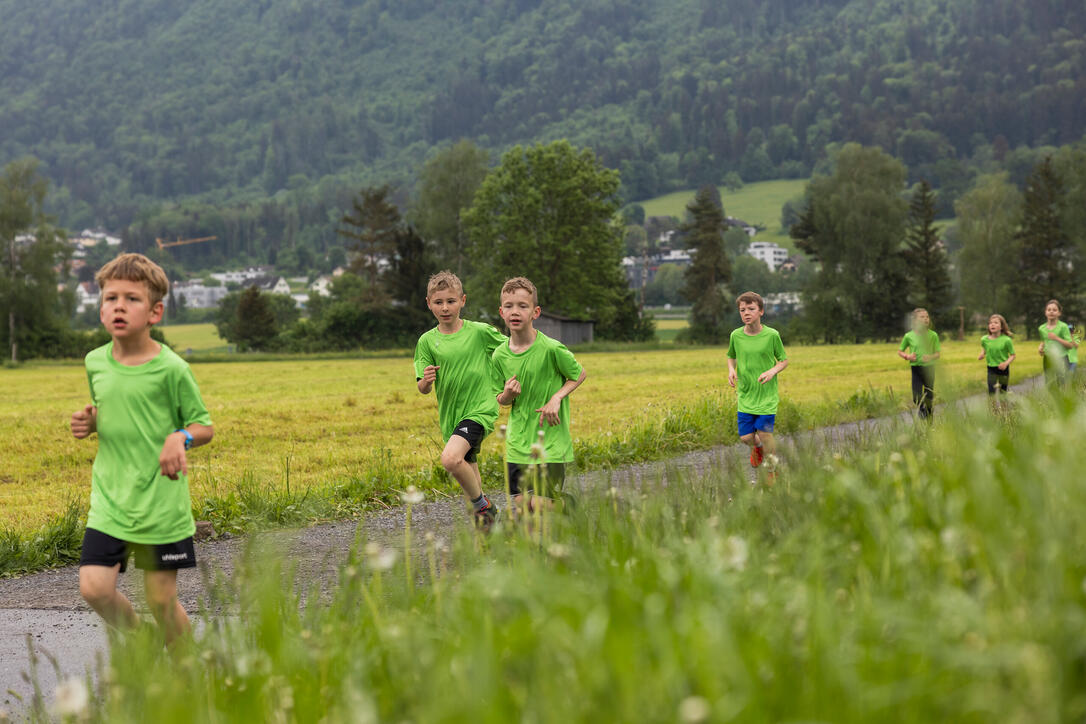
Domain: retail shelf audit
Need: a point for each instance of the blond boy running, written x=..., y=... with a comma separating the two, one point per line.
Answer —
x=755, y=358
x=147, y=411
x=536, y=375
x=453, y=359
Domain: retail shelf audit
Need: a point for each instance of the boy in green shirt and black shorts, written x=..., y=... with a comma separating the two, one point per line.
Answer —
x=535, y=374
x=147, y=411
x=755, y=358
x=920, y=348
x=453, y=358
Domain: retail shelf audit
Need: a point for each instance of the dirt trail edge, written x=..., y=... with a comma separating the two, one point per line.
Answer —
x=47, y=606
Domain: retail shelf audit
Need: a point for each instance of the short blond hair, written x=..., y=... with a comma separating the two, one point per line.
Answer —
x=750, y=298
x=511, y=285
x=444, y=279
x=136, y=268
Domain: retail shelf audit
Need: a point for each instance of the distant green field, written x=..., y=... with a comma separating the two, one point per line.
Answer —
x=758, y=203
x=197, y=337
x=668, y=329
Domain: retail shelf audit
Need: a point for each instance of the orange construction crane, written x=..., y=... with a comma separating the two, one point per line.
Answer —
x=181, y=242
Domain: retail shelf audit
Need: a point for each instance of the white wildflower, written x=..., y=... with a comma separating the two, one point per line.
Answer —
x=694, y=709
x=735, y=553
x=412, y=495
x=379, y=558
x=558, y=550
x=71, y=698
x=537, y=451
x=896, y=458
x=502, y=429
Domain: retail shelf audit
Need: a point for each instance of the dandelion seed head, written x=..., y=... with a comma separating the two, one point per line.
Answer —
x=71, y=698
x=429, y=536
x=735, y=553
x=536, y=452
x=694, y=709
x=379, y=558
x=502, y=430
x=412, y=495
x=896, y=458
x=558, y=550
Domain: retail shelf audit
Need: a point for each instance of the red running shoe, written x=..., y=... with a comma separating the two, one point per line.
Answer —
x=756, y=456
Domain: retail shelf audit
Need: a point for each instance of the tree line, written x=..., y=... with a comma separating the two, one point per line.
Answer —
x=222, y=116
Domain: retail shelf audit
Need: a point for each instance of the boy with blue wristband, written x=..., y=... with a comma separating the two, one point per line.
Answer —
x=755, y=358
x=147, y=412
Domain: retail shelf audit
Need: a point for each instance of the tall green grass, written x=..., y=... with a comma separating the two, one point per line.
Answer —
x=923, y=574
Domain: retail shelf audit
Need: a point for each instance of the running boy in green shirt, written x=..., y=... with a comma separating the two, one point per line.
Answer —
x=755, y=358
x=535, y=374
x=453, y=359
x=920, y=348
x=147, y=411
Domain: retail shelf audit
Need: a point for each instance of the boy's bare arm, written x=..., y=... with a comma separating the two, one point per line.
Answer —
x=733, y=374
x=549, y=412
x=84, y=422
x=429, y=375
x=930, y=357
x=772, y=371
x=510, y=392
x=907, y=356
x=173, y=460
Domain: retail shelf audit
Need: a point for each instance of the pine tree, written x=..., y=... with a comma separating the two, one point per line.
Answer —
x=373, y=228
x=1047, y=261
x=709, y=270
x=256, y=326
x=926, y=263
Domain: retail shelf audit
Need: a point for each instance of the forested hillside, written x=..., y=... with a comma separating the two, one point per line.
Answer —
x=134, y=102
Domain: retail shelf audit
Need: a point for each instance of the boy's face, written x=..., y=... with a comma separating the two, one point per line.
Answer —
x=749, y=312
x=518, y=309
x=446, y=305
x=1052, y=312
x=921, y=320
x=126, y=310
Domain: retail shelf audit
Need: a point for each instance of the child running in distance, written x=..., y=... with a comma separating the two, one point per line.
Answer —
x=1055, y=344
x=755, y=358
x=997, y=349
x=920, y=348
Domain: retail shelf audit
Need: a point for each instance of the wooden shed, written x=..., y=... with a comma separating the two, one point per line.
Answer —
x=565, y=330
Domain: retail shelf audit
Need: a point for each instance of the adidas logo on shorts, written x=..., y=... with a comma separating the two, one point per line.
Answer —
x=463, y=429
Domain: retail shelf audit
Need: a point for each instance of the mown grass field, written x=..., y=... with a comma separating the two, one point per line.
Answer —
x=197, y=337
x=921, y=575
x=304, y=423
x=757, y=203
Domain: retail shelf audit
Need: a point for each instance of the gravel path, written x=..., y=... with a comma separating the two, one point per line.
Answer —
x=47, y=605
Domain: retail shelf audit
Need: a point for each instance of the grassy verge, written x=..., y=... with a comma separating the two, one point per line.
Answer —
x=925, y=575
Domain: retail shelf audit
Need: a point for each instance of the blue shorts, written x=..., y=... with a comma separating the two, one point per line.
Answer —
x=748, y=422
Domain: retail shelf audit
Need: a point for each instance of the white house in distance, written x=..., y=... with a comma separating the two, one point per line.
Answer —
x=198, y=296
x=768, y=252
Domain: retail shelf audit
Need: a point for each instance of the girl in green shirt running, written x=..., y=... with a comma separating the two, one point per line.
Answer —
x=1055, y=343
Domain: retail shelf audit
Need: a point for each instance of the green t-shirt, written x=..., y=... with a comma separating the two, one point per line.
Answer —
x=541, y=369
x=920, y=344
x=137, y=408
x=1052, y=347
x=463, y=382
x=753, y=355
x=998, y=350
x=1072, y=354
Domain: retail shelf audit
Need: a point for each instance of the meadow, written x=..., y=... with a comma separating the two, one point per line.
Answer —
x=344, y=434
x=756, y=203
x=919, y=575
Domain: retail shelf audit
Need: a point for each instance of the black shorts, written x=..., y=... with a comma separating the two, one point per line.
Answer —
x=102, y=549
x=524, y=477
x=474, y=433
x=998, y=378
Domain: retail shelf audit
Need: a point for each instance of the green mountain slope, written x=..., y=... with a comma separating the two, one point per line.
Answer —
x=129, y=102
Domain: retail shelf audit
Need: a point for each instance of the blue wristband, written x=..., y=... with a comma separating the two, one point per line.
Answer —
x=188, y=436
